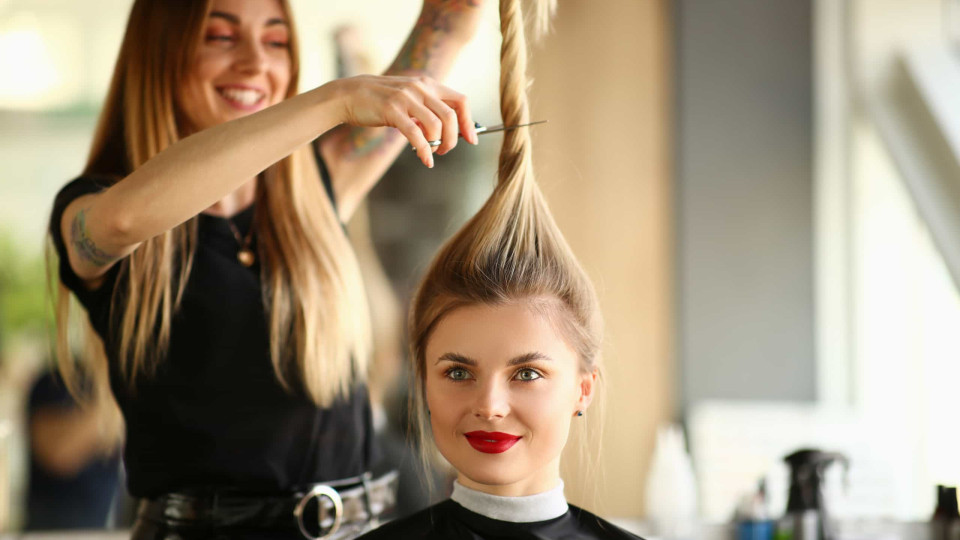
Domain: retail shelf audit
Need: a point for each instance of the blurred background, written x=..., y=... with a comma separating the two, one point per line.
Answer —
x=766, y=194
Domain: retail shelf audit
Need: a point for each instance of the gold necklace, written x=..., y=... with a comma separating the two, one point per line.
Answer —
x=245, y=254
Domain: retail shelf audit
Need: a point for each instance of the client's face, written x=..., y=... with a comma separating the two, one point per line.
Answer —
x=502, y=387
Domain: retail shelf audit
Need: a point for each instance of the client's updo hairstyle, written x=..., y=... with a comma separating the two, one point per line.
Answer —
x=512, y=249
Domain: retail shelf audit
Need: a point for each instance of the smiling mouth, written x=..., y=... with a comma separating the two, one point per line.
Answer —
x=491, y=442
x=242, y=97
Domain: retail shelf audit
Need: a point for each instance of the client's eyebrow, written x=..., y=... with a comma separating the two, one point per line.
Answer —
x=527, y=358
x=522, y=359
x=230, y=17
x=458, y=358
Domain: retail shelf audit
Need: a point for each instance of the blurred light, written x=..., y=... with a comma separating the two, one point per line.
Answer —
x=39, y=62
x=26, y=60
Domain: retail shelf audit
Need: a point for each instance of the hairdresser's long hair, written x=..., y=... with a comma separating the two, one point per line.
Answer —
x=312, y=290
x=512, y=249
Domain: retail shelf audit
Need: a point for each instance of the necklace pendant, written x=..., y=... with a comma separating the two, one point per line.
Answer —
x=246, y=257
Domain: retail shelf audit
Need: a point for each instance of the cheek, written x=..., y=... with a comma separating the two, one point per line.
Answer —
x=550, y=434
x=444, y=407
x=196, y=83
x=190, y=99
x=550, y=395
x=547, y=413
x=281, y=75
x=207, y=65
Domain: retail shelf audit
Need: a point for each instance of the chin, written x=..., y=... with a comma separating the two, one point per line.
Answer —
x=490, y=474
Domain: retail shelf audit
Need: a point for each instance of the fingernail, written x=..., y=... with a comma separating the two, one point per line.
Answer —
x=430, y=162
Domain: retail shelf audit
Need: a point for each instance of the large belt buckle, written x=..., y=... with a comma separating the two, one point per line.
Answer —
x=319, y=492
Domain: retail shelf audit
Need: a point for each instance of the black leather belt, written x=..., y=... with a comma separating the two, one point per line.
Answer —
x=330, y=511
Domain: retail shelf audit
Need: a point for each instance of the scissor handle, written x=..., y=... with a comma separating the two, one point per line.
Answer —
x=433, y=144
x=485, y=129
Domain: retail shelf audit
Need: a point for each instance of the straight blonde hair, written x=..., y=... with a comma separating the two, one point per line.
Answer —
x=310, y=280
x=512, y=250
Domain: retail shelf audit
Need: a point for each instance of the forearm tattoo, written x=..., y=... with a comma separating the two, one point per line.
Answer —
x=84, y=246
x=358, y=142
x=421, y=53
x=436, y=23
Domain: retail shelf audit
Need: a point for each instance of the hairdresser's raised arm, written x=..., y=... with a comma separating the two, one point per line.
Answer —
x=196, y=172
x=358, y=157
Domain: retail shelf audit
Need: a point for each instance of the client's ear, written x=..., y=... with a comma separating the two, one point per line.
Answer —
x=588, y=383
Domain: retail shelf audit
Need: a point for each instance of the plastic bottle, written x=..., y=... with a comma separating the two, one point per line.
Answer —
x=671, y=489
x=753, y=519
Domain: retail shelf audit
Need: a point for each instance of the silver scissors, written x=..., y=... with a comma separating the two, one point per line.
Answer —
x=485, y=129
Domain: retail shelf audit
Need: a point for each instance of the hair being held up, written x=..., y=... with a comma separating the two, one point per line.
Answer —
x=512, y=249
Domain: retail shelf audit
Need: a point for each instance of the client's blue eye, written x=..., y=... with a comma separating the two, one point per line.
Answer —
x=528, y=374
x=458, y=374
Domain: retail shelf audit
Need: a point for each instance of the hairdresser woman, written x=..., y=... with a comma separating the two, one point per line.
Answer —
x=204, y=243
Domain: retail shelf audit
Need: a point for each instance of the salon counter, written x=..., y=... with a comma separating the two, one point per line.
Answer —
x=867, y=531
x=68, y=535
x=852, y=530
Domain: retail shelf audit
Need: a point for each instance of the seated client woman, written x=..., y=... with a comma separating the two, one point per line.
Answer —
x=505, y=332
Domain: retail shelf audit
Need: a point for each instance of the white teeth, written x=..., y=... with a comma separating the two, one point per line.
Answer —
x=241, y=96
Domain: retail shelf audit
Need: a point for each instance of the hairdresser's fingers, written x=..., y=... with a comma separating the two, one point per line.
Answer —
x=461, y=105
x=430, y=123
x=463, y=119
x=414, y=133
x=445, y=103
x=450, y=128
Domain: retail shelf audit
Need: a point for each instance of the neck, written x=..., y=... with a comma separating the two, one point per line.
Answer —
x=235, y=201
x=543, y=480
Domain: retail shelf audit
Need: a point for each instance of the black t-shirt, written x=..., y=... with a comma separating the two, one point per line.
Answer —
x=450, y=521
x=214, y=416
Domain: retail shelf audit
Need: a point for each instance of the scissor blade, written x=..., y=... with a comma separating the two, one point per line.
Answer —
x=500, y=127
x=491, y=129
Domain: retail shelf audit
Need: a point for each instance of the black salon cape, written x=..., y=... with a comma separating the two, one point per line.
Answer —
x=450, y=521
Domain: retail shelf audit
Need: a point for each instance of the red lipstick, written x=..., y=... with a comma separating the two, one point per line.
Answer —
x=491, y=442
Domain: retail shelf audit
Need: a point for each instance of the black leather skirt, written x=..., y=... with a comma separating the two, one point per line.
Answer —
x=339, y=510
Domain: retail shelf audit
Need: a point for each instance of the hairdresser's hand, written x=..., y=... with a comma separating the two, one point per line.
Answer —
x=419, y=107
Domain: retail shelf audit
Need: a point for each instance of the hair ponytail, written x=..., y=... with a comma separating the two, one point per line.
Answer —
x=512, y=249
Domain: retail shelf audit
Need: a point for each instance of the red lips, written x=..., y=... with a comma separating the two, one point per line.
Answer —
x=491, y=442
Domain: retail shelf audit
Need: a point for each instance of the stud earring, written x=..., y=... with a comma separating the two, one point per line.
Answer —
x=579, y=413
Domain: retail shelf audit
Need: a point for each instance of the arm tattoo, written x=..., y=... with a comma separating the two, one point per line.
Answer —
x=84, y=246
x=359, y=142
x=429, y=35
x=364, y=141
x=421, y=52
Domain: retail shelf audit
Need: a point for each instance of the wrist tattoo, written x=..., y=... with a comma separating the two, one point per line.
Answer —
x=428, y=35
x=84, y=246
x=358, y=142
x=364, y=141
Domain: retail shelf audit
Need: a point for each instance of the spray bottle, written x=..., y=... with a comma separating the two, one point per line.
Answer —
x=807, y=517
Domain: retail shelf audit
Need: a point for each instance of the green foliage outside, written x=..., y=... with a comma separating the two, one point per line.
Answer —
x=25, y=305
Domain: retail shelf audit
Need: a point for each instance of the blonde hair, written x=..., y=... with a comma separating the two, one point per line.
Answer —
x=512, y=249
x=311, y=285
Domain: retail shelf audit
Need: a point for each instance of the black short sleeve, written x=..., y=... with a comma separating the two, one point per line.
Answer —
x=93, y=300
